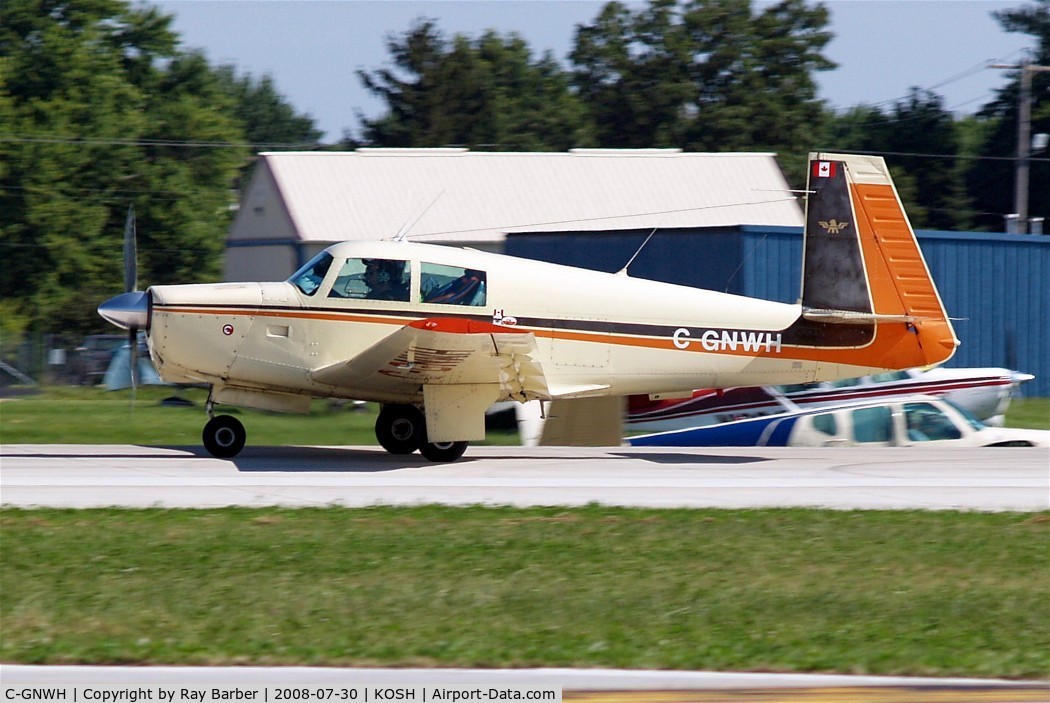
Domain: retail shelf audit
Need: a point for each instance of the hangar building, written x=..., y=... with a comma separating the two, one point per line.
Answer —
x=723, y=221
x=298, y=203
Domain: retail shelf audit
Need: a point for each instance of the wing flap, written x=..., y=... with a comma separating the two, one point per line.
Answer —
x=443, y=351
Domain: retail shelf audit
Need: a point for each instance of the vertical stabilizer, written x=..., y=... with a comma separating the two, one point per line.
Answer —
x=865, y=281
x=833, y=262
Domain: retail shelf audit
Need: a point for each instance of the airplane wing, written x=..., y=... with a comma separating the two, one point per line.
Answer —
x=443, y=351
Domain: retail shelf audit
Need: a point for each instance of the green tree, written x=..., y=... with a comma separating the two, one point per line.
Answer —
x=632, y=71
x=991, y=182
x=98, y=110
x=705, y=75
x=269, y=119
x=484, y=93
x=867, y=129
x=922, y=140
x=188, y=174
x=926, y=137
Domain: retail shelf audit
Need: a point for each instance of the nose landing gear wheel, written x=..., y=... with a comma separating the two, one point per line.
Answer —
x=399, y=428
x=224, y=436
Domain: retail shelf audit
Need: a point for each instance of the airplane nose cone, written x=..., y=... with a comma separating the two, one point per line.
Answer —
x=127, y=310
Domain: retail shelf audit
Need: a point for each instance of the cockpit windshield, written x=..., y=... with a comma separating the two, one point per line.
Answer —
x=309, y=278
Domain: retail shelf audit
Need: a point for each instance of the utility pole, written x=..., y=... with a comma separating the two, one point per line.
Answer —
x=1024, y=139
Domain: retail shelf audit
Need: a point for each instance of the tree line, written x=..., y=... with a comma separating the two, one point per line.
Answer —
x=101, y=108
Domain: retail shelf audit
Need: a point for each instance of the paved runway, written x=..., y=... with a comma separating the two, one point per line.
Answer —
x=975, y=479
x=81, y=476
x=32, y=683
x=590, y=685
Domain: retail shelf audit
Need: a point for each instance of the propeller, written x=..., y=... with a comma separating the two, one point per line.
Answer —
x=129, y=310
x=131, y=284
x=131, y=272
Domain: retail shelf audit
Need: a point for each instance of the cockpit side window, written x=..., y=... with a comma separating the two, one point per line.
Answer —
x=309, y=278
x=872, y=424
x=373, y=279
x=890, y=376
x=452, y=285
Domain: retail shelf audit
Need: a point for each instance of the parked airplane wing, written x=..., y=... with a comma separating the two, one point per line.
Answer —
x=444, y=351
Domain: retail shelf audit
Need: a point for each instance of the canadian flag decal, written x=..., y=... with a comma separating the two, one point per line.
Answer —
x=823, y=169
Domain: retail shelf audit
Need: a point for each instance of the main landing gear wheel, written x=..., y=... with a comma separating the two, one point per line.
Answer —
x=443, y=451
x=224, y=436
x=400, y=428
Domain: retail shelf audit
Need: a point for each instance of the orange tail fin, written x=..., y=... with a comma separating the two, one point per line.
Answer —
x=866, y=289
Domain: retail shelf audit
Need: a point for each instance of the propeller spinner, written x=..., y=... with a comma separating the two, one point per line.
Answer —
x=129, y=311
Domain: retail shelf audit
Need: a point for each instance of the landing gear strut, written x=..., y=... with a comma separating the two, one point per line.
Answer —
x=402, y=429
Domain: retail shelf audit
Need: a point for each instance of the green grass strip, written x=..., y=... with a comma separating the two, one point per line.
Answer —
x=911, y=593
x=61, y=415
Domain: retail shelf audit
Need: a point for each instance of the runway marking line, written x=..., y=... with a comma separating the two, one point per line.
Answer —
x=1034, y=693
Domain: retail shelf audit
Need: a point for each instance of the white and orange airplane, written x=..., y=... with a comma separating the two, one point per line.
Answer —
x=437, y=334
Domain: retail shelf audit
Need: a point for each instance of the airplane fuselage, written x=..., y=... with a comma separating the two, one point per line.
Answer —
x=624, y=336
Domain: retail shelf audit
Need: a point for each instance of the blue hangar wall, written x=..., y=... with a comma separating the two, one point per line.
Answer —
x=996, y=287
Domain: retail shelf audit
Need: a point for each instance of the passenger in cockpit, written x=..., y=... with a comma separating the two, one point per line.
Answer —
x=461, y=291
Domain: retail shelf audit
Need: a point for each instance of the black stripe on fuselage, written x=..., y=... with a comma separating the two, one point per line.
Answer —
x=800, y=333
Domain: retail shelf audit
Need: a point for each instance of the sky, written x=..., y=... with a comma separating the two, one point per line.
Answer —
x=313, y=48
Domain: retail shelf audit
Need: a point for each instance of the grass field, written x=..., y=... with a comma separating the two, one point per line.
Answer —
x=940, y=594
x=772, y=590
x=73, y=415
x=1033, y=413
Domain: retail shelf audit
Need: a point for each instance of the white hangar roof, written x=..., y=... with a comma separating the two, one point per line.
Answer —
x=467, y=196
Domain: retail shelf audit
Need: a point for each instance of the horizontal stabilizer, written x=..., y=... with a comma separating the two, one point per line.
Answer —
x=577, y=390
x=851, y=317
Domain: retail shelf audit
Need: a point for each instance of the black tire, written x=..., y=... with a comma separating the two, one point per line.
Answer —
x=224, y=436
x=443, y=451
x=400, y=428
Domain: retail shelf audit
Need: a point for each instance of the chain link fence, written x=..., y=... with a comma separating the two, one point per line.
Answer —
x=58, y=359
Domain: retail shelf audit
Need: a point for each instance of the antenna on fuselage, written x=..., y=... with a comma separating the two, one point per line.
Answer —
x=623, y=271
x=802, y=193
x=403, y=232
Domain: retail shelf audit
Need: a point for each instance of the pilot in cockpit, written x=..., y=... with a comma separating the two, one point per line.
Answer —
x=385, y=279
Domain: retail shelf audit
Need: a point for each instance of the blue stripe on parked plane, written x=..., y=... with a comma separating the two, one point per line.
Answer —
x=768, y=431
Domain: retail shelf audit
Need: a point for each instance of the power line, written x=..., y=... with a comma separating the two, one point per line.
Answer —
x=891, y=120
x=962, y=157
x=121, y=192
x=530, y=225
x=973, y=70
x=107, y=141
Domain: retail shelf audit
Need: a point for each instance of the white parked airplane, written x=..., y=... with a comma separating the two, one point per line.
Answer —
x=912, y=421
x=983, y=392
x=438, y=334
